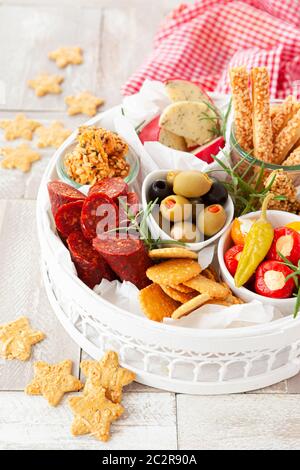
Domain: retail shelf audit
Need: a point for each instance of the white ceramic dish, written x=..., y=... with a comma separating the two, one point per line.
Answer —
x=182, y=360
x=277, y=219
x=157, y=232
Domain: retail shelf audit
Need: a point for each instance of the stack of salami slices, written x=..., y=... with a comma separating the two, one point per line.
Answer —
x=84, y=223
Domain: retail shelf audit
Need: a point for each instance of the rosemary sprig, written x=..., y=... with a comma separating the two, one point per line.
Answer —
x=295, y=276
x=225, y=118
x=138, y=224
x=247, y=193
x=219, y=116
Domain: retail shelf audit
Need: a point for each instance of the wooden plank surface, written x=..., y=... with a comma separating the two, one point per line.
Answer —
x=114, y=36
x=117, y=56
x=238, y=422
x=23, y=293
x=27, y=32
x=30, y=423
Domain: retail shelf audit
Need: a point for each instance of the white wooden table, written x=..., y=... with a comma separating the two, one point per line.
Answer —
x=115, y=36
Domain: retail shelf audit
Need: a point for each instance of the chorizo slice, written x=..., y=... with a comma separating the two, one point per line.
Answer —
x=90, y=266
x=68, y=218
x=127, y=257
x=111, y=187
x=61, y=193
x=99, y=214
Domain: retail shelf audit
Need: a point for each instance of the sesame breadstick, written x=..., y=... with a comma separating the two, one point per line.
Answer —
x=239, y=79
x=283, y=185
x=293, y=159
x=262, y=128
x=286, y=139
x=274, y=110
x=285, y=111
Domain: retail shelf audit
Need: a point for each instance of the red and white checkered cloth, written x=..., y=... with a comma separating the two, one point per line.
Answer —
x=201, y=42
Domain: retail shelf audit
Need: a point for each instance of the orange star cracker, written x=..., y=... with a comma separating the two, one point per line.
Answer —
x=45, y=83
x=64, y=56
x=107, y=373
x=18, y=338
x=84, y=103
x=20, y=127
x=53, y=381
x=94, y=414
x=52, y=136
x=20, y=157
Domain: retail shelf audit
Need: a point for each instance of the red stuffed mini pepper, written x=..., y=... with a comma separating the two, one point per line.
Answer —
x=270, y=280
x=287, y=242
x=232, y=257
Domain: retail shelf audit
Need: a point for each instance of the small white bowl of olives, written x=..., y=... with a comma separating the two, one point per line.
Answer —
x=191, y=207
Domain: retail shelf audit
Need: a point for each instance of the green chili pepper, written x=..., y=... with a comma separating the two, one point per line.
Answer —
x=257, y=245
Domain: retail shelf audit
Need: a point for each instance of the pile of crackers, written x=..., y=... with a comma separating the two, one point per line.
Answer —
x=98, y=154
x=180, y=286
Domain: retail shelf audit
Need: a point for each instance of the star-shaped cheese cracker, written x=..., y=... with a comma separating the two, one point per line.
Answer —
x=64, y=56
x=17, y=339
x=52, y=136
x=84, y=103
x=20, y=157
x=53, y=381
x=94, y=414
x=108, y=374
x=19, y=127
x=45, y=83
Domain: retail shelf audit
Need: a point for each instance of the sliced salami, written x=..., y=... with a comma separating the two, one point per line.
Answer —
x=111, y=187
x=61, y=193
x=67, y=218
x=127, y=257
x=99, y=214
x=90, y=266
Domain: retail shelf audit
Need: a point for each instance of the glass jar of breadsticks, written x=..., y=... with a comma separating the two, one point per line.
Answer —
x=286, y=182
x=246, y=162
x=265, y=138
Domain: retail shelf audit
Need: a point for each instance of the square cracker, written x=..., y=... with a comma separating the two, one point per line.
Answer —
x=156, y=304
x=182, y=288
x=174, y=252
x=204, y=285
x=177, y=295
x=173, y=271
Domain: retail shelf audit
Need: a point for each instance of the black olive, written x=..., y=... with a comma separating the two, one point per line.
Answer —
x=217, y=194
x=197, y=206
x=159, y=189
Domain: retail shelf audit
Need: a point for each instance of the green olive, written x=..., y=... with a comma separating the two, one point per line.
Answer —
x=212, y=219
x=175, y=208
x=185, y=232
x=191, y=183
x=171, y=176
